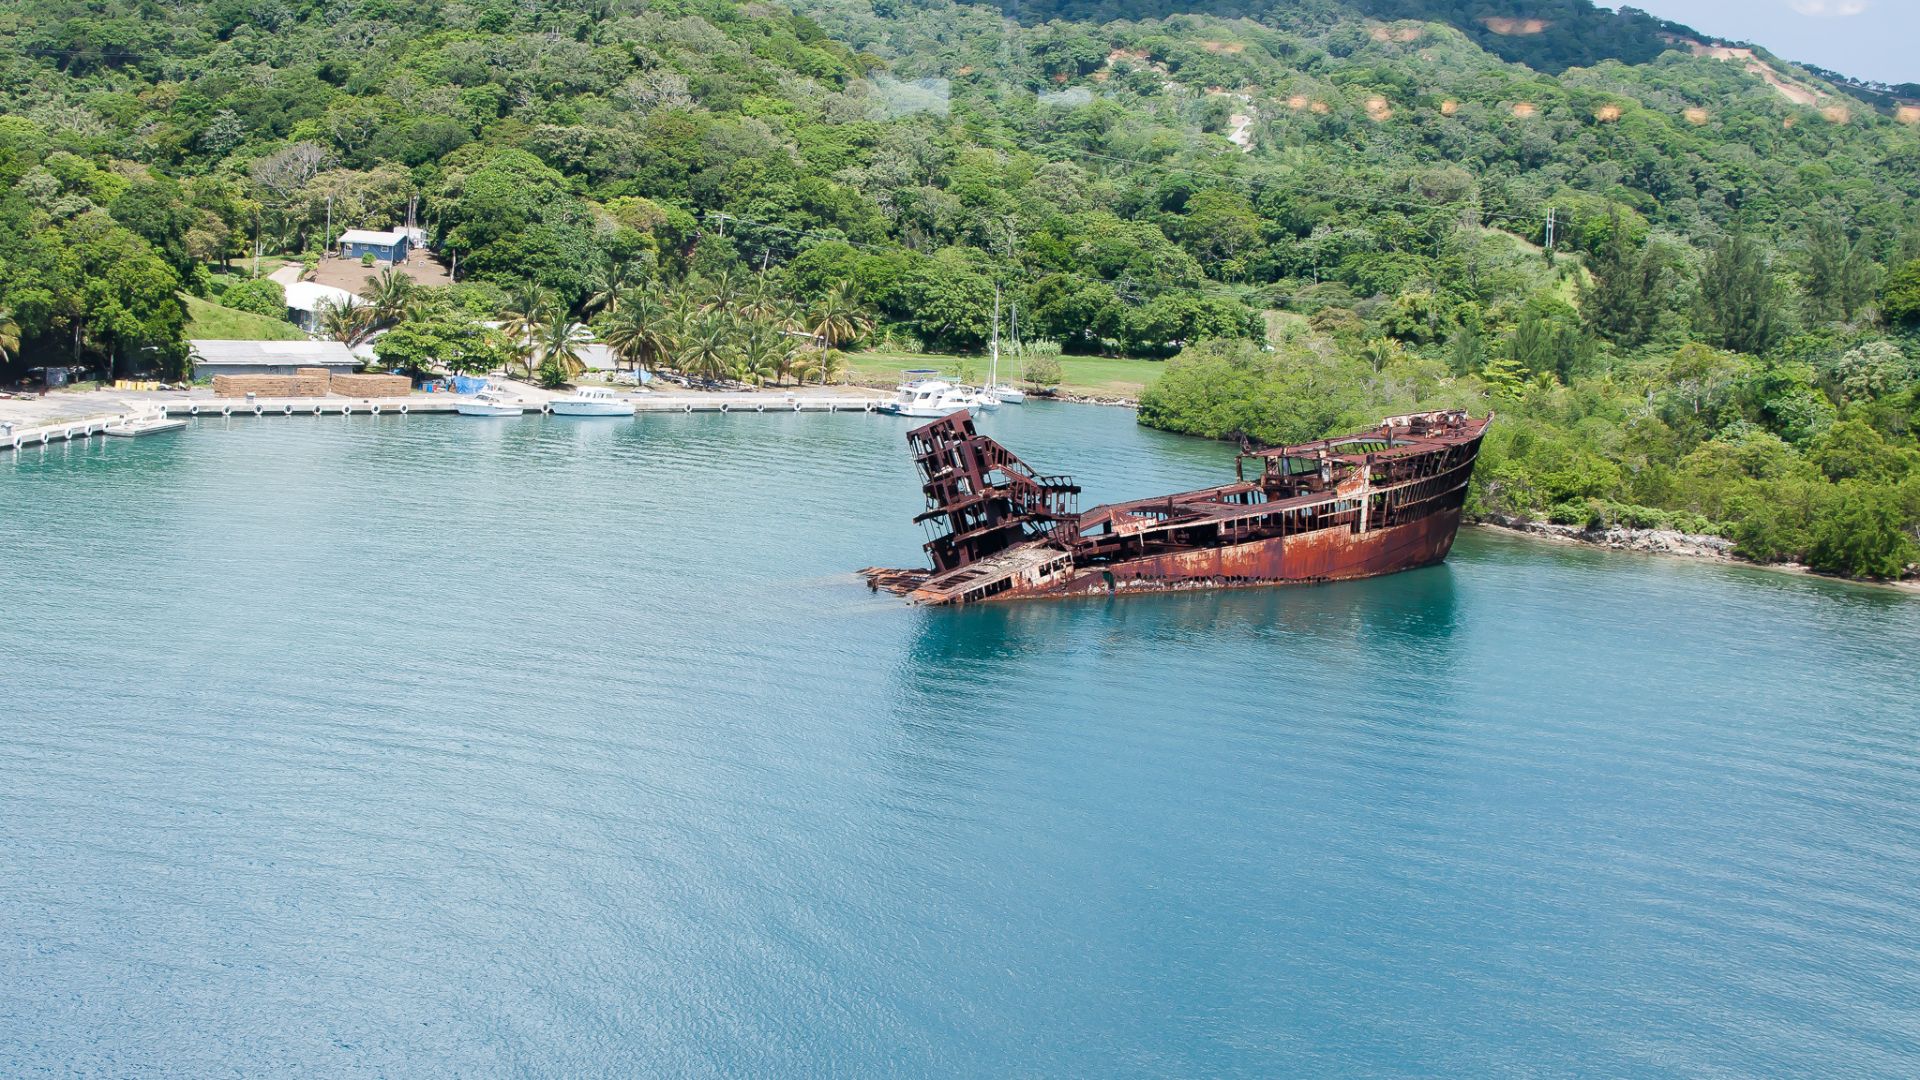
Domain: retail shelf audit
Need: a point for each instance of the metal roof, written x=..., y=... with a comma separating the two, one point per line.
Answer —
x=368, y=236
x=300, y=353
x=308, y=296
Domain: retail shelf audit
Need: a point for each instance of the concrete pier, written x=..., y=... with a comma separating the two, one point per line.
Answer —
x=61, y=430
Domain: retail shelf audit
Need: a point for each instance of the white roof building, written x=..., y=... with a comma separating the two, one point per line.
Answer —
x=368, y=236
x=308, y=296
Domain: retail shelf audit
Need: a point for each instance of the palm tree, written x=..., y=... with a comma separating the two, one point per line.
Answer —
x=723, y=292
x=560, y=347
x=9, y=334
x=348, y=321
x=611, y=283
x=836, y=319
x=525, y=320
x=827, y=364
x=764, y=351
x=391, y=295
x=705, y=350
x=639, y=332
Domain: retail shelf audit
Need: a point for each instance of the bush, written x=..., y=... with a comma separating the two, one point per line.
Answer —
x=367, y=259
x=1044, y=372
x=261, y=296
x=1862, y=536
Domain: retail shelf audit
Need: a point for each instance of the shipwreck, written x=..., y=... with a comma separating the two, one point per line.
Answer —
x=1352, y=506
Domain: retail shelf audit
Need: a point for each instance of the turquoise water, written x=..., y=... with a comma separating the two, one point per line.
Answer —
x=408, y=747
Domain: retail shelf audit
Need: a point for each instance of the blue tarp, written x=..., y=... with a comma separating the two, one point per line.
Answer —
x=467, y=384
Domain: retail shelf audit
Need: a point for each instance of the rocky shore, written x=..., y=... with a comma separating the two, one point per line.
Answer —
x=1655, y=542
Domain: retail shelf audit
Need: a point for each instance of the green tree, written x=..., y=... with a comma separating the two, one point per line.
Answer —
x=1738, y=304
x=1864, y=536
x=1622, y=302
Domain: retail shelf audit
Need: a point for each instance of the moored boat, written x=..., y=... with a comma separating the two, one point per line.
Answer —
x=924, y=394
x=490, y=402
x=591, y=401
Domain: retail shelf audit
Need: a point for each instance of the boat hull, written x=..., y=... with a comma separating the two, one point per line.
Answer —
x=592, y=408
x=1327, y=555
x=468, y=408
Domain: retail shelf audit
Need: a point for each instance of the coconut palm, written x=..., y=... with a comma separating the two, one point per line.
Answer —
x=348, y=321
x=639, y=332
x=391, y=295
x=611, y=284
x=525, y=320
x=826, y=365
x=560, y=347
x=764, y=352
x=9, y=334
x=836, y=319
x=723, y=292
x=706, y=351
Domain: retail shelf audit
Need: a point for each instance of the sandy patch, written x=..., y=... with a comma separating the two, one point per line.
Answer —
x=1607, y=114
x=1297, y=102
x=1516, y=27
x=1907, y=114
x=1793, y=90
x=1230, y=48
x=1449, y=107
x=1525, y=109
x=1320, y=107
x=1696, y=116
x=1378, y=109
x=1837, y=114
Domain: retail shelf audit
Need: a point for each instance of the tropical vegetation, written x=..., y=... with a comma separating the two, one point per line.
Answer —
x=1687, y=276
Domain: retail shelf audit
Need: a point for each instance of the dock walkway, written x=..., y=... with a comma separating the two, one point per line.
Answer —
x=21, y=436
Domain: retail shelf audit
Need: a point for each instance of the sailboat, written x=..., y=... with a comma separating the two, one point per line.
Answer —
x=998, y=393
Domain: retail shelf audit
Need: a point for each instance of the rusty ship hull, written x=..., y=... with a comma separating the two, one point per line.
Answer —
x=1354, y=506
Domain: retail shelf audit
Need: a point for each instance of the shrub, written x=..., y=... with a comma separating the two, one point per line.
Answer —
x=1862, y=536
x=367, y=259
x=261, y=296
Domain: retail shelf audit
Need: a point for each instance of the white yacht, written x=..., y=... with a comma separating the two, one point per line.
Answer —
x=592, y=401
x=921, y=394
x=490, y=402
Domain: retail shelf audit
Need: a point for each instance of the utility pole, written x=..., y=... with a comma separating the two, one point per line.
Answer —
x=326, y=242
x=1550, y=224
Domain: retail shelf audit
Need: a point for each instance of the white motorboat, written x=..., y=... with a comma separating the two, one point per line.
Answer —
x=591, y=401
x=921, y=394
x=146, y=425
x=490, y=402
x=1007, y=395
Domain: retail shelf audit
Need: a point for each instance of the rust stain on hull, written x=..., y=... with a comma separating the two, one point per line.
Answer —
x=1355, y=506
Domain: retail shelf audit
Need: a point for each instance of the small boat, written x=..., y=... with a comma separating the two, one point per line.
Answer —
x=921, y=394
x=151, y=425
x=490, y=402
x=1007, y=395
x=591, y=401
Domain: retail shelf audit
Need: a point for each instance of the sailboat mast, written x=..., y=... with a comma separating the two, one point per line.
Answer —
x=993, y=371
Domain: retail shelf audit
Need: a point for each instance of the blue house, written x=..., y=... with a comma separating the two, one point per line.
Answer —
x=387, y=247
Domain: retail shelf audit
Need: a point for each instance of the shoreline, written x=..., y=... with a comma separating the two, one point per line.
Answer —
x=1670, y=544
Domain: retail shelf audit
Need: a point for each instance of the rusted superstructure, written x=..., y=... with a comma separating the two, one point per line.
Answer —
x=1353, y=506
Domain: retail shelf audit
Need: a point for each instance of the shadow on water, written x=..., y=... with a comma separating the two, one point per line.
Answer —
x=975, y=678
x=1419, y=606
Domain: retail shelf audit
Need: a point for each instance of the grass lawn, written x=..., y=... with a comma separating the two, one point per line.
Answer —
x=212, y=322
x=1090, y=375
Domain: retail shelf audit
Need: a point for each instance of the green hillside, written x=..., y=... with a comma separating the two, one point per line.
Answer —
x=209, y=321
x=1731, y=270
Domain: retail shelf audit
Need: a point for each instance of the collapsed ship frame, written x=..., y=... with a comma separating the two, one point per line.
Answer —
x=1352, y=506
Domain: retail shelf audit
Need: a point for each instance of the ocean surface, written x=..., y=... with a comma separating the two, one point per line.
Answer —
x=381, y=746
